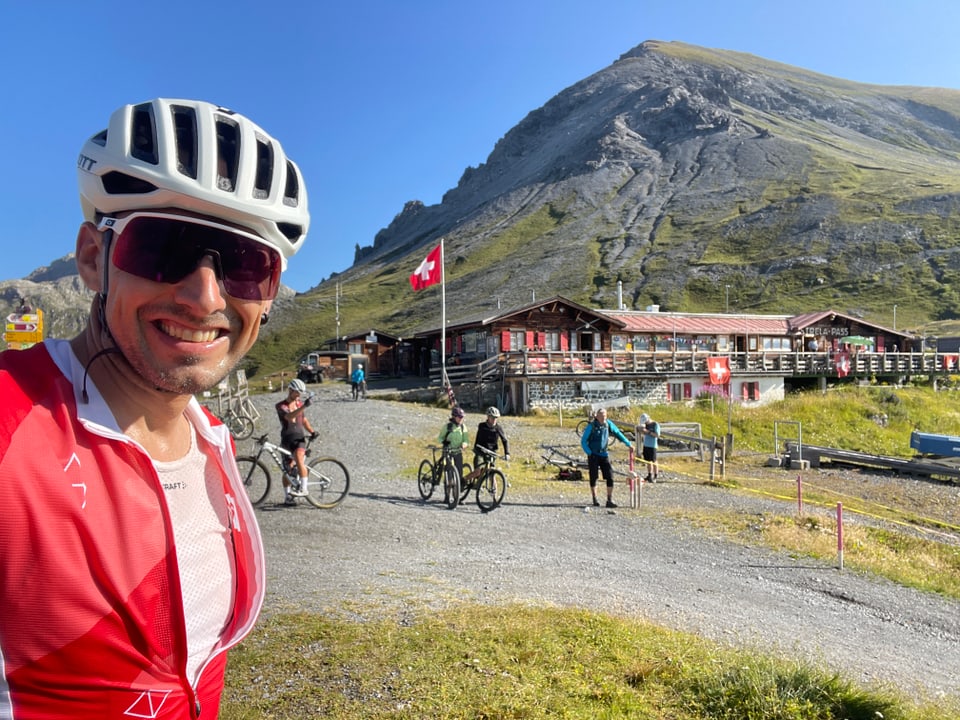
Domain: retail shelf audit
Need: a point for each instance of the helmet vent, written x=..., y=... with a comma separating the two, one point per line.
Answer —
x=117, y=183
x=185, y=128
x=264, y=176
x=290, y=231
x=143, y=139
x=228, y=154
x=291, y=193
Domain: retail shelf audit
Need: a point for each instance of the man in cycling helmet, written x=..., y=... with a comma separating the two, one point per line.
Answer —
x=294, y=427
x=490, y=435
x=131, y=536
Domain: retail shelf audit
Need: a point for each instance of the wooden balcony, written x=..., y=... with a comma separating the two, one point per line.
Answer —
x=679, y=364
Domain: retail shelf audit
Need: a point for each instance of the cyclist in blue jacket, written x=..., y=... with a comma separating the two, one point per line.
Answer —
x=594, y=441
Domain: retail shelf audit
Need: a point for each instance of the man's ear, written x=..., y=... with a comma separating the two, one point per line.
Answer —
x=89, y=256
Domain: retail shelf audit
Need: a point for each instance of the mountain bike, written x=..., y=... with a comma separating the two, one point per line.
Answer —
x=490, y=483
x=328, y=481
x=442, y=468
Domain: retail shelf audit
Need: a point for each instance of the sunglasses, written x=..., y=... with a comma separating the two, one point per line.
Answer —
x=167, y=248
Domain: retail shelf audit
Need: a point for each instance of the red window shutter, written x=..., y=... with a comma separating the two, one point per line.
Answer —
x=459, y=343
x=505, y=341
x=745, y=390
x=687, y=391
x=529, y=339
x=564, y=341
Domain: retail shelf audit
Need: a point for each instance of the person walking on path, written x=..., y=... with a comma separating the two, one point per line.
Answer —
x=594, y=441
x=358, y=382
x=649, y=431
x=130, y=556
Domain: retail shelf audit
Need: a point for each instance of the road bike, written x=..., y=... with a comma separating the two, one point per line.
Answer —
x=490, y=483
x=328, y=481
x=442, y=468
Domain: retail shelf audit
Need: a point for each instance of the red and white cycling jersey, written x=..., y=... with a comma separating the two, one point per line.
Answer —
x=91, y=615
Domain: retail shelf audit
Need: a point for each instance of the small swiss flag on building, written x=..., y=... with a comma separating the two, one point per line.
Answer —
x=719, y=369
x=430, y=271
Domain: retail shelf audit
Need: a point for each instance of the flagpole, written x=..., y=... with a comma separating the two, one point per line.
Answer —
x=443, y=321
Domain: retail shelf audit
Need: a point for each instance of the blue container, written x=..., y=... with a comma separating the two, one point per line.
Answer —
x=929, y=444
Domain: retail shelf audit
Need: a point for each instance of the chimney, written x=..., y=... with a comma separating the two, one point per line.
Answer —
x=619, y=295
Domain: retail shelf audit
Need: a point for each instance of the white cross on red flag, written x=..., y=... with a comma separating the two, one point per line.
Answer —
x=430, y=271
x=719, y=370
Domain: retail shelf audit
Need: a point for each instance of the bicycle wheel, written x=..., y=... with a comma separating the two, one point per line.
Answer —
x=451, y=485
x=240, y=426
x=328, y=482
x=425, y=479
x=490, y=490
x=465, y=487
x=581, y=426
x=256, y=479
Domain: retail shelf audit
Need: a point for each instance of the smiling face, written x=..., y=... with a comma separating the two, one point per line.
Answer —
x=181, y=337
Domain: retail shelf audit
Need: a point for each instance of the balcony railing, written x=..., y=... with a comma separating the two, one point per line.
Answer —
x=811, y=364
x=685, y=363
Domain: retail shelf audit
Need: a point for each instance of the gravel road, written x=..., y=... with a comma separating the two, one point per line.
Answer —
x=385, y=550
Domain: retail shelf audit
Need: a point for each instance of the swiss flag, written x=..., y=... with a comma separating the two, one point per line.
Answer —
x=430, y=271
x=719, y=369
x=843, y=364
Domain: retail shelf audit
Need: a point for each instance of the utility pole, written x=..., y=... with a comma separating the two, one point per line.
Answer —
x=337, y=305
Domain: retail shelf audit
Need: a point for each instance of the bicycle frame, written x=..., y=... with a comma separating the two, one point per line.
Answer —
x=326, y=484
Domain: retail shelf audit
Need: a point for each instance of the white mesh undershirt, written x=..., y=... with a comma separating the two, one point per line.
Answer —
x=198, y=508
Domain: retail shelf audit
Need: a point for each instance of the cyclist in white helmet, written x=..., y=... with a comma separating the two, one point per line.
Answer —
x=133, y=523
x=294, y=425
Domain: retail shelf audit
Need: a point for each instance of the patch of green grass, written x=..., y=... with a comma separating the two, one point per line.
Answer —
x=520, y=662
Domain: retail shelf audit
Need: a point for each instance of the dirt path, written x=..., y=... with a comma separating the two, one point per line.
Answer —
x=388, y=551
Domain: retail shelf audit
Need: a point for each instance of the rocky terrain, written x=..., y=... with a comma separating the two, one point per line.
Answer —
x=385, y=551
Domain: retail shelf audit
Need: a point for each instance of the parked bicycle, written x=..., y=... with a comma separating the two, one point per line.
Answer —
x=238, y=422
x=441, y=469
x=328, y=481
x=490, y=483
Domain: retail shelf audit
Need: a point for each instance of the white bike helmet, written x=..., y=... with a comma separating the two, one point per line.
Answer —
x=195, y=156
x=297, y=385
x=493, y=411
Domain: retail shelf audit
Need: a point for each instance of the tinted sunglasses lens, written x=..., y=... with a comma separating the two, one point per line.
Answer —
x=167, y=250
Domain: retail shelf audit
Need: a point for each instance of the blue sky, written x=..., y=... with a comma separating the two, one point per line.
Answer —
x=381, y=102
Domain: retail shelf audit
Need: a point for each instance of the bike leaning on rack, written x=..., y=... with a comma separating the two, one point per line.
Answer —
x=441, y=469
x=328, y=481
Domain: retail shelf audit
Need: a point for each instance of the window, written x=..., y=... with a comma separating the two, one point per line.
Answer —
x=776, y=343
x=750, y=390
x=551, y=340
x=680, y=391
x=517, y=340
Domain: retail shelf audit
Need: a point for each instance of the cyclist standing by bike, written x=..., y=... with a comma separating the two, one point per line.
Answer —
x=294, y=426
x=490, y=435
x=455, y=436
